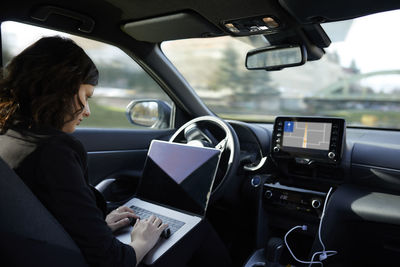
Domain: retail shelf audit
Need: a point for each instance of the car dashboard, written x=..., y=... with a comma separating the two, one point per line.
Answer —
x=288, y=182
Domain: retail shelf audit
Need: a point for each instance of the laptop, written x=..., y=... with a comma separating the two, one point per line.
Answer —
x=176, y=185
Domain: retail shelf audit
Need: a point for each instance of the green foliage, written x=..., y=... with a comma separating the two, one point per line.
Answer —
x=230, y=74
x=227, y=74
x=120, y=76
x=106, y=117
x=369, y=118
x=255, y=81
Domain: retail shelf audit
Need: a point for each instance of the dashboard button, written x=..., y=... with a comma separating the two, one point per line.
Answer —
x=331, y=155
x=268, y=194
x=255, y=181
x=316, y=203
x=304, y=161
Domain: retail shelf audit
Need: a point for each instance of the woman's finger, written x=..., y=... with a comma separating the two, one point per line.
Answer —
x=152, y=218
x=162, y=227
x=157, y=221
x=119, y=224
x=120, y=216
x=125, y=209
x=136, y=224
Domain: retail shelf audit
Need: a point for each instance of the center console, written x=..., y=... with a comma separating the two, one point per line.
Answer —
x=293, y=199
x=306, y=152
x=306, y=159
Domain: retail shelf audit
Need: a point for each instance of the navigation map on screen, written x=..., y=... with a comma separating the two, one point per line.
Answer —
x=311, y=135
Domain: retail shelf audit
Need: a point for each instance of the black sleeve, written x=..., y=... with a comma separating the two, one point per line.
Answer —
x=72, y=202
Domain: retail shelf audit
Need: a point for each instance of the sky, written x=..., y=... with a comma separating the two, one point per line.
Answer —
x=366, y=35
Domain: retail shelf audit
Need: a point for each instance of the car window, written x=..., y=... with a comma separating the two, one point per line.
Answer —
x=358, y=78
x=121, y=78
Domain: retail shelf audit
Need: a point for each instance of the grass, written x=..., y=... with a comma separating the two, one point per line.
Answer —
x=106, y=117
x=367, y=118
x=248, y=117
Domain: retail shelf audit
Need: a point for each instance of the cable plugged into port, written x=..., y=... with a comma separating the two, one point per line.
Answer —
x=323, y=254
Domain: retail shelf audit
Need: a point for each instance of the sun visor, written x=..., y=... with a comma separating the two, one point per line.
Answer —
x=171, y=27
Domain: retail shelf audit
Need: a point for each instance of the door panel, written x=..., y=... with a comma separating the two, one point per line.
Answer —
x=100, y=139
x=114, y=164
x=118, y=154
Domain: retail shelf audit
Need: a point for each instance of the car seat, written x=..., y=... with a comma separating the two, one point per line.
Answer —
x=29, y=234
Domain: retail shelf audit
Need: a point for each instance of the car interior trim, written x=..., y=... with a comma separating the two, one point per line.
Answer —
x=255, y=168
x=116, y=151
x=162, y=28
x=296, y=189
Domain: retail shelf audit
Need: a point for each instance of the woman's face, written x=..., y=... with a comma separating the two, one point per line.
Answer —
x=85, y=92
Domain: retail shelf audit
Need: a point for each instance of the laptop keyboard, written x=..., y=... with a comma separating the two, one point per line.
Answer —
x=173, y=224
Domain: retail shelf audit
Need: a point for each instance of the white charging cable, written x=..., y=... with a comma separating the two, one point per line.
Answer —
x=324, y=254
x=304, y=228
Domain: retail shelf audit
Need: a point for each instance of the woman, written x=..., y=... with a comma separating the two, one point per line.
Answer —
x=44, y=95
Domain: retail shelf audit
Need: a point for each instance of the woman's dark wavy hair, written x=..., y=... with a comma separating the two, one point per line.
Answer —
x=38, y=86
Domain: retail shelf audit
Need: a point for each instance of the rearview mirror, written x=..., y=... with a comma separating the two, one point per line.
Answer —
x=276, y=57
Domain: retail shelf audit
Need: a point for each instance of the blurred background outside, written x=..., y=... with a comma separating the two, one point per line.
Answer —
x=358, y=78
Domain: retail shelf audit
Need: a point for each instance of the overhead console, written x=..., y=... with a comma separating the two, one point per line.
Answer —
x=308, y=140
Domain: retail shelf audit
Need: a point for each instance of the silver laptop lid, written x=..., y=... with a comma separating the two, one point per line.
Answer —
x=179, y=176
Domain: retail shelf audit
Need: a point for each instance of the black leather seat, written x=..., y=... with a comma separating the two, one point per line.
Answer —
x=29, y=234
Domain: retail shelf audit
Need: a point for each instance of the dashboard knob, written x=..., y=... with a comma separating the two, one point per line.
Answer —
x=268, y=194
x=331, y=155
x=276, y=149
x=255, y=181
x=316, y=203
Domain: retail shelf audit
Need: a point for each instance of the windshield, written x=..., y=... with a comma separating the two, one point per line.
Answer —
x=358, y=78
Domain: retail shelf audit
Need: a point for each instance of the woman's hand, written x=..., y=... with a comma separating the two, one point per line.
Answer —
x=119, y=218
x=145, y=234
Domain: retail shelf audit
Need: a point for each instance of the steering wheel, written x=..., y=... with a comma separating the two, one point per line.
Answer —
x=210, y=131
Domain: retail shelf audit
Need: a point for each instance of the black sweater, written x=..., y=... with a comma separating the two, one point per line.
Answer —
x=54, y=167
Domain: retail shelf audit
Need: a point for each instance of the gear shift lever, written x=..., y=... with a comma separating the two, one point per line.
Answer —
x=274, y=251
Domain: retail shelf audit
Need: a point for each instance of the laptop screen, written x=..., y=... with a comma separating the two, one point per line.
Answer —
x=179, y=176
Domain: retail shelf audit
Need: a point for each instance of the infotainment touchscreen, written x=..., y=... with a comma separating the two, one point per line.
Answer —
x=309, y=138
x=311, y=135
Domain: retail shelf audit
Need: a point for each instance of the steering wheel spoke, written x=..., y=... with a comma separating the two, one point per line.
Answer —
x=222, y=145
x=202, y=131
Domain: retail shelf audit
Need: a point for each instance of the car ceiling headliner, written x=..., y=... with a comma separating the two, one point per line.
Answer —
x=110, y=15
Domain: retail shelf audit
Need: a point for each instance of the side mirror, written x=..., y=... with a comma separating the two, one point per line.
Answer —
x=276, y=57
x=149, y=113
